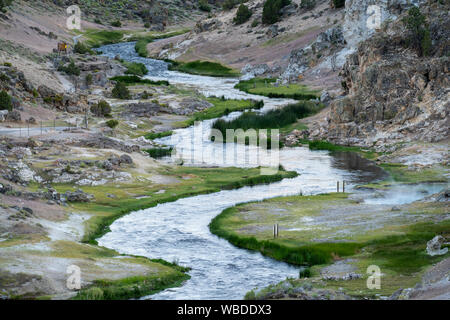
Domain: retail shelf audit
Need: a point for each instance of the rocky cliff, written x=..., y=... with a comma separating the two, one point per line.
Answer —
x=391, y=93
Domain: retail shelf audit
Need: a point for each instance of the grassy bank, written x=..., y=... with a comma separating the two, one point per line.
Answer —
x=221, y=107
x=158, y=135
x=268, y=88
x=169, y=275
x=396, y=245
x=203, y=68
x=274, y=119
x=135, y=80
x=98, y=37
x=143, y=41
x=159, y=152
x=180, y=182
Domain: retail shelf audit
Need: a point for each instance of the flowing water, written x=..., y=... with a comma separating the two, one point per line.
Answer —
x=178, y=231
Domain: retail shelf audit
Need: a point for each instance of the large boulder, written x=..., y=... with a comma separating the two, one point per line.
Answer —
x=434, y=246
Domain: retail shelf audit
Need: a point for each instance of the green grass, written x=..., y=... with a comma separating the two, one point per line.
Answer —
x=159, y=152
x=143, y=41
x=397, y=247
x=159, y=135
x=273, y=119
x=203, y=68
x=307, y=254
x=220, y=108
x=135, y=80
x=169, y=275
x=97, y=38
x=266, y=87
x=191, y=182
x=136, y=69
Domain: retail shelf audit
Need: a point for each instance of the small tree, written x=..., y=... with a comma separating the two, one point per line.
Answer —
x=271, y=10
x=101, y=109
x=5, y=101
x=243, y=14
x=417, y=25
x=121, y=91
x=204, y=5
x=4, y=4
x=89, y=79
x=81, y=48
x=112, y=123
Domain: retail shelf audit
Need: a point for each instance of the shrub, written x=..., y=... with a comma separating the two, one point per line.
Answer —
x=81, y=48
x=339, y=3
x=101, y=109
x=70, y=69
x=159, y=152
x=137, y=69
x=271, y=10
x=89, y=79
x=147, y=25
x=112, y=123
x=137, y=80
x=5, y=101
x=273, y=119
x=243, y=14
x=116, y=24
x=308, y=4
x=4, y=4
x=98, y=21
x=204, y=5
x=305, y=273
x=229, y=4
x=417, y=25
x=121, y=91
x=7, y=64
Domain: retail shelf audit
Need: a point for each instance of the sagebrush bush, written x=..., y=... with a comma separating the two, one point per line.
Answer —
x=271, y=10
x=112, y=123
x=5, y=101
x=419, y=38
x=121, y=91
x=243, y=14
x=204, y=5
x=81, y=48
x=101, y=109
x=116, y=24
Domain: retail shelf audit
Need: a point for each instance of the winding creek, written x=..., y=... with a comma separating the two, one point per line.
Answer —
x=178, y=231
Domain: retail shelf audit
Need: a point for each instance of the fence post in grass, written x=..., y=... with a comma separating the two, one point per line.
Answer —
x=343, y=185
x=275, y=230
x=337, y=186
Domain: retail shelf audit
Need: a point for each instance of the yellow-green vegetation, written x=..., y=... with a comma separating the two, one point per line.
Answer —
x=269, y=88
x=181, y=182
x=159, y=276
x=221, y=107
x=143, y=40
x=317, y=230
x=399, y=173
x=98, y=37
x=203, y=68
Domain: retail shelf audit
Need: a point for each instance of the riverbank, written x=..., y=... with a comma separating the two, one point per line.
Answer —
x=337, y=236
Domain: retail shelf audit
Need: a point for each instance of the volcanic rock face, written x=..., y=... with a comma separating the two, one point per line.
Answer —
x=392, y=94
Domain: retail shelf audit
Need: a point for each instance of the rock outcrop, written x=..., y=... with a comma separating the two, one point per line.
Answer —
x=392, y=94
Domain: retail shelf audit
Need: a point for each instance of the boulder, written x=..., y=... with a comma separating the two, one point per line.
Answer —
x=78, y=196
x=14, y=116
x=434, y=246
